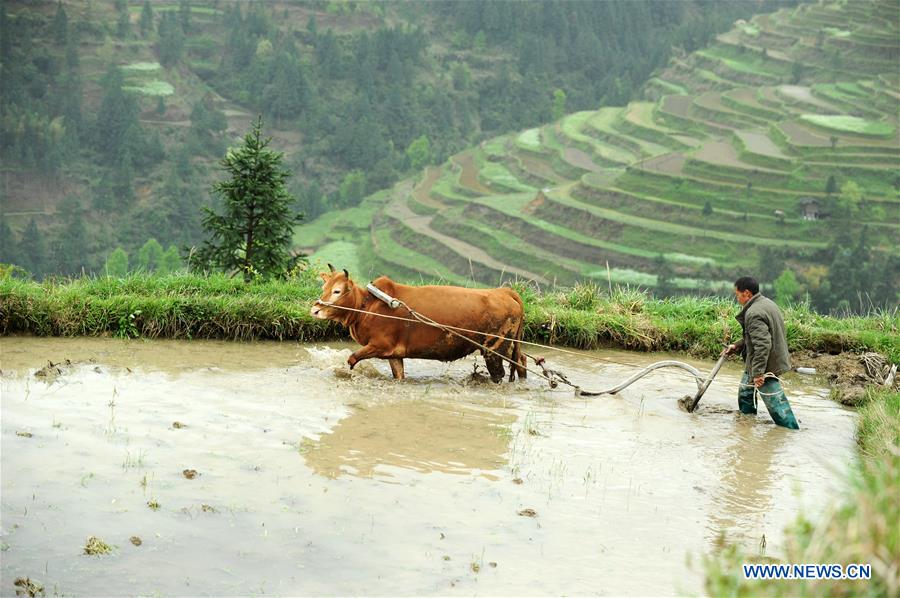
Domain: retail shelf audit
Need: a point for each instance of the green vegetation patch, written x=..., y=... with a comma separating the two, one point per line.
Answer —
x=141, y=67
x=530, y=140
x=849, y=124
x=342, y=254
x=835, y=32
x=496, y=174
x=155, y=88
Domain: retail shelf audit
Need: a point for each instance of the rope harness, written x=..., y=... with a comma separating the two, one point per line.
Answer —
x=553, y=377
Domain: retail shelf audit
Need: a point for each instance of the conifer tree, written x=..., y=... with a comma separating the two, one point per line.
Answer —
x=60, y=26
x=170, y=261
x=150, y=255
x=34, y=250
x=117, y=263
x=70, y=247
x=146, y=22
x=253, y=234
x=8, y=247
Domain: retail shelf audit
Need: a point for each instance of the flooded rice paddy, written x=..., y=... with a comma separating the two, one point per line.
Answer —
x=265, y=468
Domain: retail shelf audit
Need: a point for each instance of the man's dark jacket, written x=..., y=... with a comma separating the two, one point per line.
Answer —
x=764, y=345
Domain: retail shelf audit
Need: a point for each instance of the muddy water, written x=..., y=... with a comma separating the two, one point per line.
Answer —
x=315, y=482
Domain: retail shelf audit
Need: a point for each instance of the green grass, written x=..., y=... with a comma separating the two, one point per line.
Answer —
x=342, y=254
x=530, y=140
x=155, y=88
x=141, y=67
x=849, y=124
x=498, y=177
x=216, y=306
x=748, y=62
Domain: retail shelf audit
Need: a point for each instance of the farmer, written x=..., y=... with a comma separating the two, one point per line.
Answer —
x=765, y=351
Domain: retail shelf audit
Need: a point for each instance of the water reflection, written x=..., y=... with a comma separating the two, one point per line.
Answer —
x=419, y=435
x=749, y=480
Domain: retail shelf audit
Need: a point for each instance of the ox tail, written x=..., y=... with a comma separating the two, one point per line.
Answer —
x=518, y=356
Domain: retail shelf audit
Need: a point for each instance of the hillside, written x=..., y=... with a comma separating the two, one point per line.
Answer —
x=114, y=113
x=776, y=148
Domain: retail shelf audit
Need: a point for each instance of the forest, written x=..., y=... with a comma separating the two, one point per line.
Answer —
x=405, y=85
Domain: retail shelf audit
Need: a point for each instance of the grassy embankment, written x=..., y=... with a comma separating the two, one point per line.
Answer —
x=587, y=316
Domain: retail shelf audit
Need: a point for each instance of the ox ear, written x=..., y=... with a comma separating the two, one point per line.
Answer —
x=324, y=276
x=330, y=267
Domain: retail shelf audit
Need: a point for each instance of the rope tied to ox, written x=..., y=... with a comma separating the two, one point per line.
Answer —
x=553, y=377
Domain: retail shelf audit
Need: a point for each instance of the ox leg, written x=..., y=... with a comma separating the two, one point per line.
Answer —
x=367, y=352
x=397, y=368
x=495, y=366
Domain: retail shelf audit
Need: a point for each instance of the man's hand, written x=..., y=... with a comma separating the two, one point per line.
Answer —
x=731, y=349
x=759, y=381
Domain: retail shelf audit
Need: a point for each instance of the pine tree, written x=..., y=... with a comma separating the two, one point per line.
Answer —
x=559, y=105
x=123, y=24
x=253, y=235
x=419, y=153
x=184, y=15
x=170, y=261
x=150, y=256
x=34, y=250
x=70, y=246
x=117, y=263
x=146, y=22
x=353, y=188
x=117, y=114
x=9, y=249
x=171, y=40
x=60, y=26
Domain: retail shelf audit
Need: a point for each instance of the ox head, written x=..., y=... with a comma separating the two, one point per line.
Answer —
x=337, y=290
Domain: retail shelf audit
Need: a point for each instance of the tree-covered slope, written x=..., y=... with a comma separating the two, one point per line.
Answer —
x=113, y=113
x=774, y=150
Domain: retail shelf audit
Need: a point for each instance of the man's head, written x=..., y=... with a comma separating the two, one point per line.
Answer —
x=744, y=289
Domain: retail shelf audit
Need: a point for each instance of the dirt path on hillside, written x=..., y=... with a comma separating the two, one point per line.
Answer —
x=422, y=192
x=469, y=176
x=398, y=209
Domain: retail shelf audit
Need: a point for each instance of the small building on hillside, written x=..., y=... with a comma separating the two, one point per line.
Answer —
x=811, y=209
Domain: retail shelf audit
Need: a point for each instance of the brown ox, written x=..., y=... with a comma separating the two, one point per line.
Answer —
x=492, y=311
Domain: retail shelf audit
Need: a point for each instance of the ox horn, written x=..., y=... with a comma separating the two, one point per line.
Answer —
x=347, y=274
x=330, y=267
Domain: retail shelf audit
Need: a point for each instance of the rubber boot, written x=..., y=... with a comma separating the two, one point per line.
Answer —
x=776, y=402
x=746, y=399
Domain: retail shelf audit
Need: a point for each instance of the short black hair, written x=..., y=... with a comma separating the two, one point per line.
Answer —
x=747, y=283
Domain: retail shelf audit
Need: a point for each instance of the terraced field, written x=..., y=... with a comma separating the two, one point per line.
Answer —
x=692, y=185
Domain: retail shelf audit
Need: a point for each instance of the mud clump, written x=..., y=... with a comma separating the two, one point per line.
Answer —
x=136, y=540
x=154, y=506
x=847, y=373
x=190, y=473
x=528, y=513
x=178, y=425
x=96, y=546
x=24, y=434
x=28, y=587
x=52, y=371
